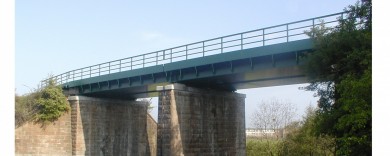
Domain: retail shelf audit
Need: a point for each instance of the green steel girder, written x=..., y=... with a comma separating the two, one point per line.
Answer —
x=226, y=70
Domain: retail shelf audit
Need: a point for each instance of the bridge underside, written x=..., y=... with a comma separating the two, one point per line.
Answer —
x=250, y=68
x=232, y=82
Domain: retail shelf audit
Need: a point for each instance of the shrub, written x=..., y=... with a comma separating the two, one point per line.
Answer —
x=51, y=103
x=42, y=105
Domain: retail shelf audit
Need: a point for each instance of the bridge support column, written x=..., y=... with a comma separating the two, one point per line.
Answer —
x=108, y=127
x=195, y=121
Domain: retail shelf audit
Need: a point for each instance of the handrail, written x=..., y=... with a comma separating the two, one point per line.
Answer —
x=217, y=45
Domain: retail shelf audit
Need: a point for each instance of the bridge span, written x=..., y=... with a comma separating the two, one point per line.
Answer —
x=257, y=58
x=199, y=113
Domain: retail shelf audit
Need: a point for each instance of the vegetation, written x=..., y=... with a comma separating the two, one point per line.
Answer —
x=273, y=114
x=42, y=105
x=270, y=115
x=148, y=103
x=300, y=138
x=340, y=70
x=25, y=108
x=340, y=73
x=51, y=103
x=257, y=147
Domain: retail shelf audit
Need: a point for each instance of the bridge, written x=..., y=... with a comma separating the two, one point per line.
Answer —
x=195, y=83
x=252, y=59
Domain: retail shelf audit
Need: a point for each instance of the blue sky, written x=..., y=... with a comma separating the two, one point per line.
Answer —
x=53, y=37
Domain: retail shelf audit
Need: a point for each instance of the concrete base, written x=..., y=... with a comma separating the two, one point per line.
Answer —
x=200, y=122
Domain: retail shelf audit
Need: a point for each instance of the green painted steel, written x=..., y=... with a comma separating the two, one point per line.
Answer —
x=273, y=40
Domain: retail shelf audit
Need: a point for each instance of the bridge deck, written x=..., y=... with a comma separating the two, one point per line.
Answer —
x=230, y=62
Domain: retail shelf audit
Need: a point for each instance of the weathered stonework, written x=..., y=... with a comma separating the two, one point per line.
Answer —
x=200, y=122
x=108, y=127
x=94, y=126
x=152, y=135
x=191, y=122
x=54, y=139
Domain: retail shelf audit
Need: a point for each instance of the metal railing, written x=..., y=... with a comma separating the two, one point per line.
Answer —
x=260, y=37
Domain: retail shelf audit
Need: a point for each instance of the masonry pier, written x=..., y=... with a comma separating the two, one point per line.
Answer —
x=108, y=127
x=94, y=126
x=191, y=121
x=195, y=121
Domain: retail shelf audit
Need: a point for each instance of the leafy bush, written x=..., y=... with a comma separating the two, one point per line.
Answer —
x=301, y=139
x=51, y=103
x=41, y=105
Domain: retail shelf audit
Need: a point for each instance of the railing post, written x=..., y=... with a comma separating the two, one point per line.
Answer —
x=81, y=74
x=221, y=45
x=73, y=74
x=171, y=55
x=109, y=67
x=203, y=48
x=99, y=69
x=242, y=42
x=186, y=52
x=287, y=32
x=156, y=58
x=313, y=23
x=90, y=71
x=263, y=38
x=143, y=61
x=120, y=65
x=131, y=63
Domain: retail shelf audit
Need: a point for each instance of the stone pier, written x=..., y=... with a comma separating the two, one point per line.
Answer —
x=93, y=127
x=195, y=121
x=108, y=127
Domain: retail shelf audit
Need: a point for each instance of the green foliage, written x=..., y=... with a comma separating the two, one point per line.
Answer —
x=354, y=125
x=52, y=103
x=300, y=139
x=41, y=105
x=340, y=73
x=258, y=147
x=25, y=108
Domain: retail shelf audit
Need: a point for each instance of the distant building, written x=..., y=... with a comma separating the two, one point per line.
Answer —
x=263, y=133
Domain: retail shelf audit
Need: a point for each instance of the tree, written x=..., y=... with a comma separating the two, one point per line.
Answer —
x=273, y=114
x=340, y=73
x=148, y=103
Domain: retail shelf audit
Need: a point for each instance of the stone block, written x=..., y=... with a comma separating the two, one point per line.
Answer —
x=204, y=122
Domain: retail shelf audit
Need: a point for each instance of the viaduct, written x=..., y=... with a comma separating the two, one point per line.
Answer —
x=199, y=112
